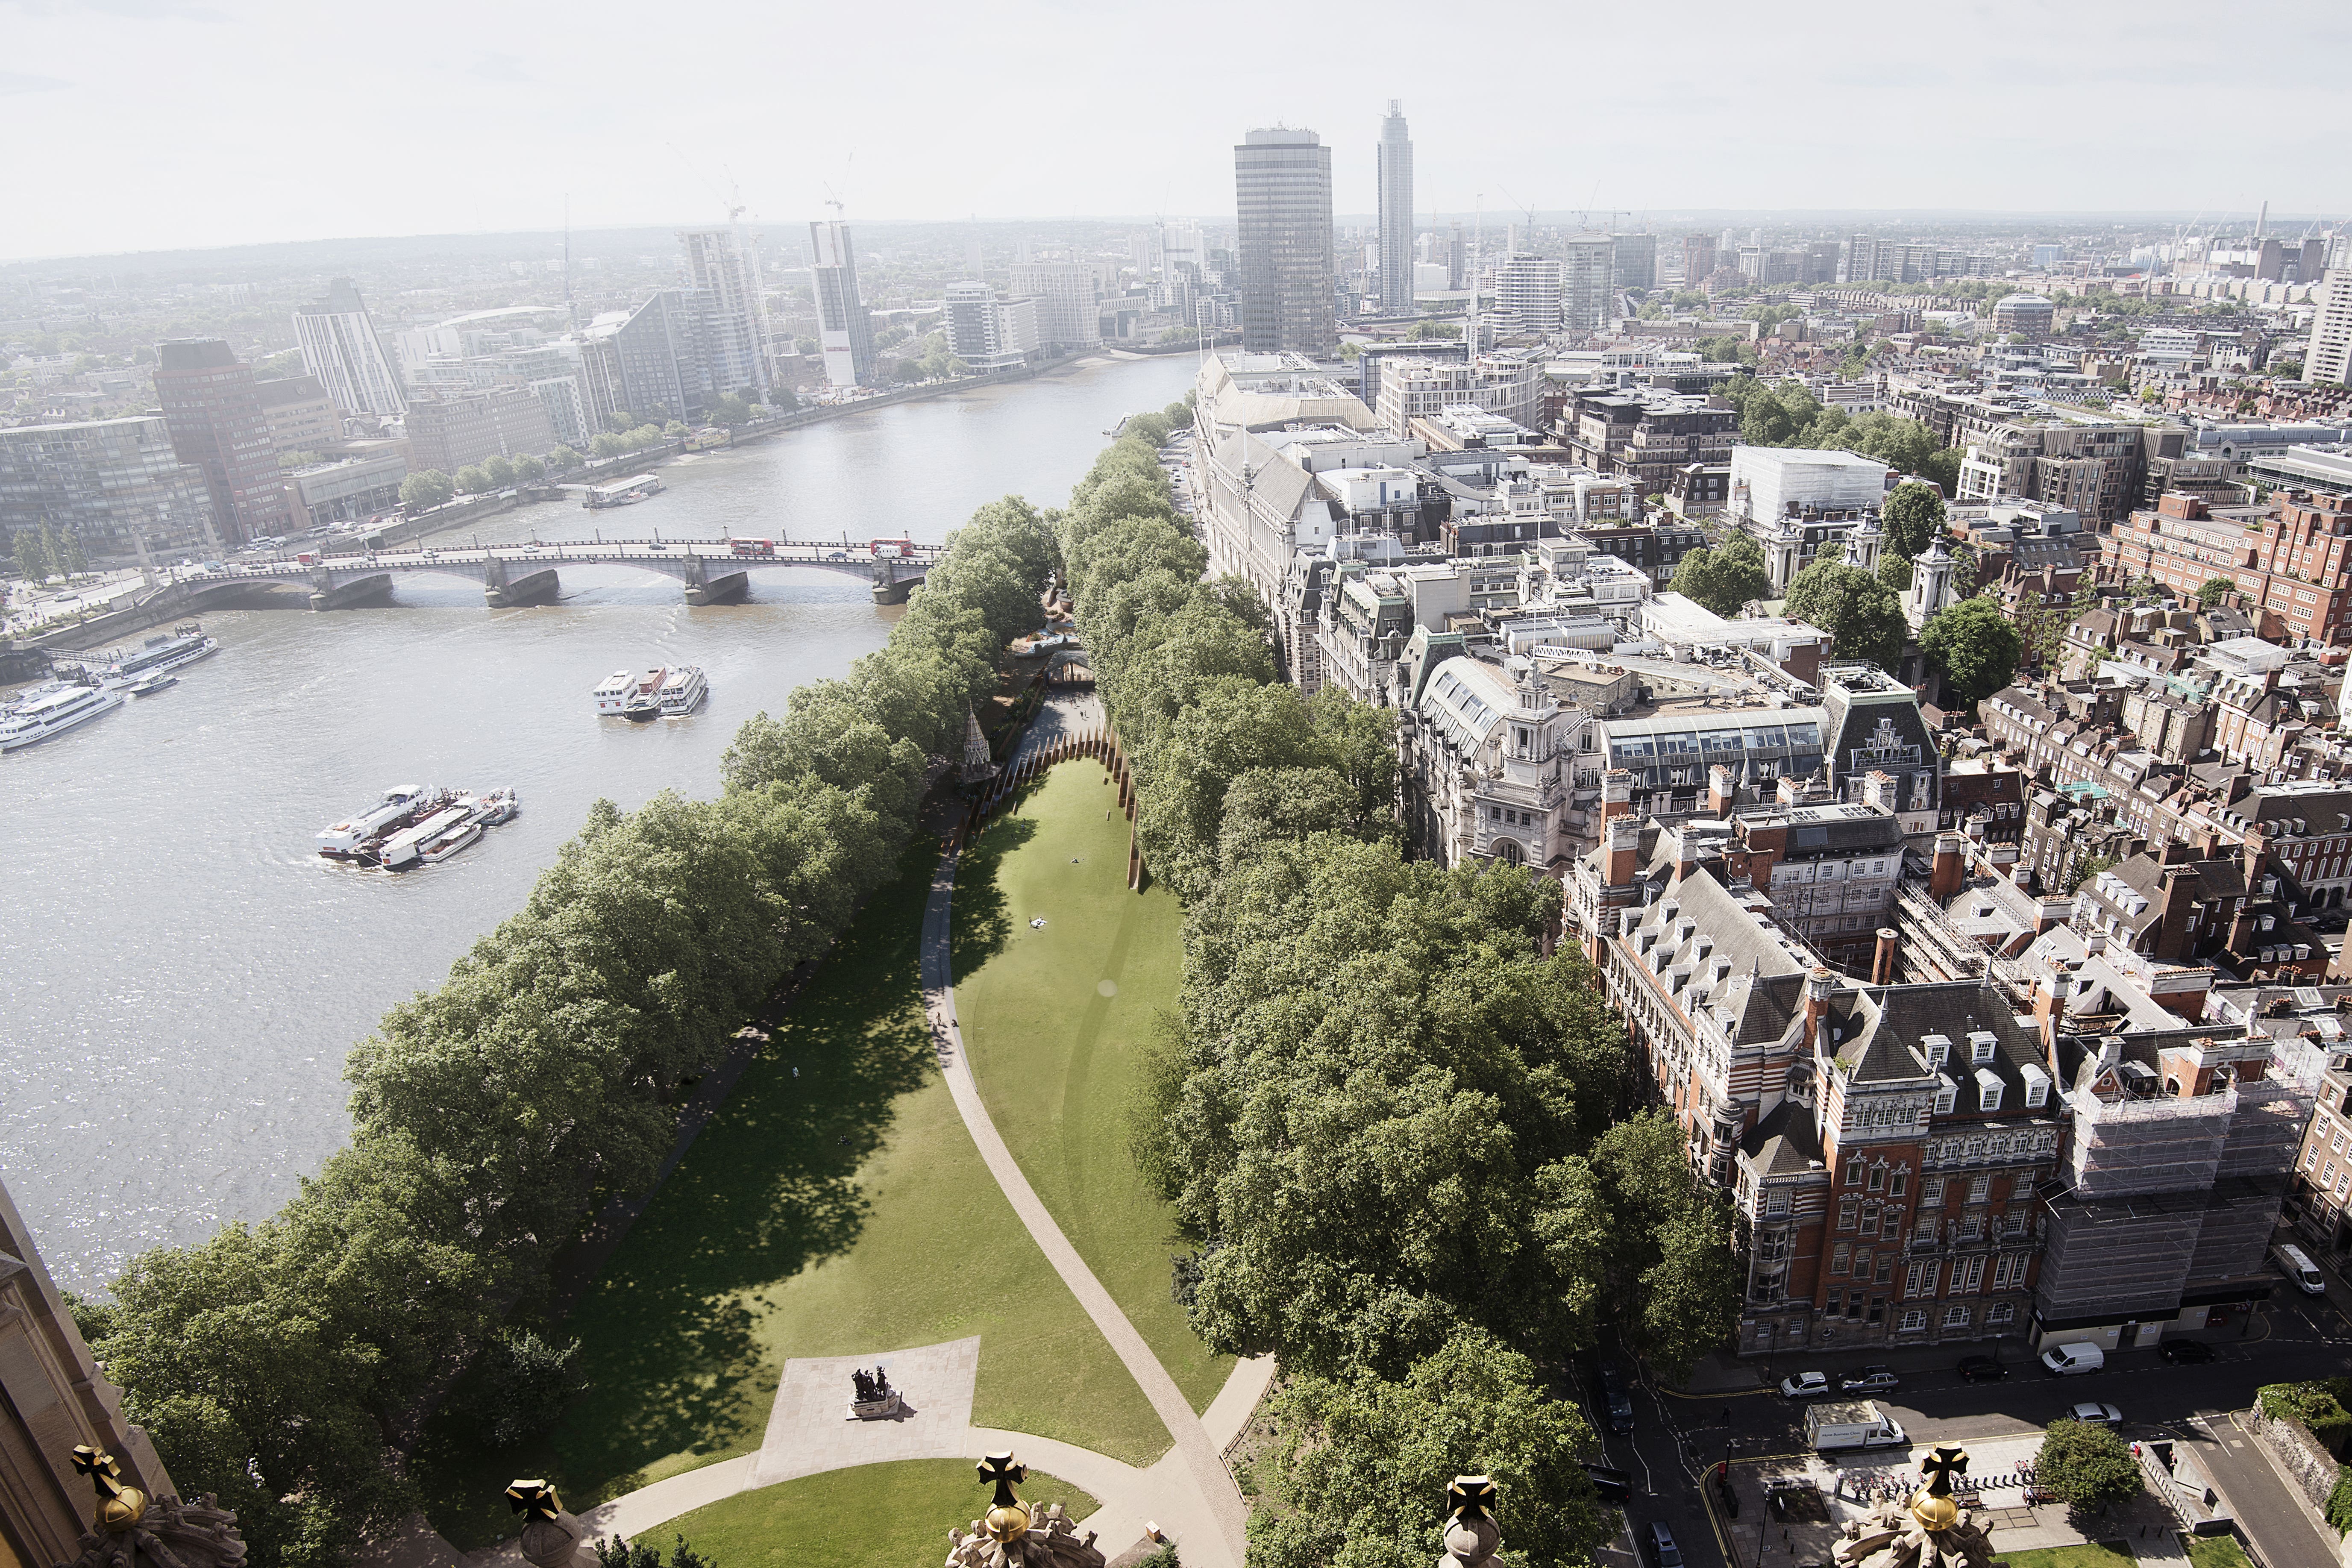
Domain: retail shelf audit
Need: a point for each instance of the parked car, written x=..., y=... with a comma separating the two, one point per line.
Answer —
x=2295, y=1264
x=1663, y=1553
x=1982, y=1368
x=2069, y=1361
x=2186, y=1352
x=1613, y=1486
x=2094, y=1413
x=1870, y=1380
x=1806, y=1385
x=656, y=544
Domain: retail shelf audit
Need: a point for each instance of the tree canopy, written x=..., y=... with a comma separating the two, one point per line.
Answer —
x=2209, y=591
x=1861, y=614
x=2086, y=1466
x=1726, y=576
x=1913, y=516
x=1974, y=646
x=1786, y=414
x=425, y=489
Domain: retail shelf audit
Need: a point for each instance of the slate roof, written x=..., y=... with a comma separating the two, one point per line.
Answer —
x=1751, y=968
x=1785, y=1143
x=1885, y=1029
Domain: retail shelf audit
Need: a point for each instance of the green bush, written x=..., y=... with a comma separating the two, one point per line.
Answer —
x=2339, y=1501
x=2319, y=1406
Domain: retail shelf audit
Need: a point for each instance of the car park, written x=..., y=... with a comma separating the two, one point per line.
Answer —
x=1982, y=1368
x=2095, y=1414
x=1869, y=1380
x=1806, y=1385
x=2185, y=1352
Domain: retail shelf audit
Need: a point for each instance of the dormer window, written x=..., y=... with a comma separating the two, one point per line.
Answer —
x=2037, y=1086
x=1989, y=1087
x=1939, y=1050
x=1947, y=1096
x=1981, y=1043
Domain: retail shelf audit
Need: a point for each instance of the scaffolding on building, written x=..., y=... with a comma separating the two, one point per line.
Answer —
x=2163, y=1144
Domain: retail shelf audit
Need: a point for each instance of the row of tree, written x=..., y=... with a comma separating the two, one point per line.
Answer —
x=1787, y=414
x=1394, y=1129
x=276, y=1364
x=44, y=552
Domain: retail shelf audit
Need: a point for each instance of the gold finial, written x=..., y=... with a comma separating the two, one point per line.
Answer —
x=1933, y=1506
x=533, y=1500
x=119, y=1507
x=1008, y=1516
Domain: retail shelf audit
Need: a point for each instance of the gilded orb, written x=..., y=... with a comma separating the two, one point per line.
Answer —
x=123, y=1510
x=1934, y=1511
x=1007, y=1523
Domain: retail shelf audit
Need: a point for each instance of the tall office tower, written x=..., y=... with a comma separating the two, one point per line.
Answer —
x=843, y=326
x=1396, y=213
x=664, y=357
x=1458, y=261
x=1698, y=258
x=1587, y=286
x=719, y=265
x=1282, y=187
x=1633, y=260
x=1527, y=294
x=116, y=483
x=214, y=413
x=2330, y=355
x=341, y=347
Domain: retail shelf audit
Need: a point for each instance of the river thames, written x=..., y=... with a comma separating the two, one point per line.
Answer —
x=181, y=975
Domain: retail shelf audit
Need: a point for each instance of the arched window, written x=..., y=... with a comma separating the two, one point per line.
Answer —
x=1508, y=852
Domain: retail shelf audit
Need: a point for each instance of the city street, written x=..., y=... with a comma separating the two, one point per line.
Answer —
x=1675, y=1436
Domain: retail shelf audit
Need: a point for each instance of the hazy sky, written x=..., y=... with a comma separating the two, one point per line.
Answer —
x=134, y=124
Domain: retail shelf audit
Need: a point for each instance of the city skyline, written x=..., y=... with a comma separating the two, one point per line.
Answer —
x=696, y=129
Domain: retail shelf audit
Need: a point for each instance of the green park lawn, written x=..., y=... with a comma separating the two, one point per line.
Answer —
x=835, y=1205
x=1053, y=1017
x=876, y=1516
x=2216, y=1551
x=2089, y=1554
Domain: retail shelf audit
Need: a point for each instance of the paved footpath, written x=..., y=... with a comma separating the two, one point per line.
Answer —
x=1210, y=1485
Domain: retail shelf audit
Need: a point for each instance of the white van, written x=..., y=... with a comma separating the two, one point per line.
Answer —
x=2068, y=1360
x=2297, y=1265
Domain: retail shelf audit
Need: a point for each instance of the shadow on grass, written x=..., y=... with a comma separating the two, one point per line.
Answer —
x=668, y=1331
x=982, y=923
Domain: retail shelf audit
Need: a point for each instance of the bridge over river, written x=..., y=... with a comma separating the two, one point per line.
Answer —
x=715, y=570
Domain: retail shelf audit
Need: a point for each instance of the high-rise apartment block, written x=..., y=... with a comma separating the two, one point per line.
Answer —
x=116, y=484
x=1634, y=261
x=1069, y=299
x=845, y=328
x=1527, y=294
x=728, y=273
x=1396, y=213
x=1588, y=283
x=2329, y=357
x=214, y=413
x=653, y=365
x=341, y=347
x=1282, y=186
x=302, y=417
x=987, y=333
x=1698, y=258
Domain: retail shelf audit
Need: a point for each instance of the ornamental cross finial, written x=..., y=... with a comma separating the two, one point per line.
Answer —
x=102, y=1469
x=999, y=1470
x=1470, y=1497
x=1948, y=1461
x=534, y=1499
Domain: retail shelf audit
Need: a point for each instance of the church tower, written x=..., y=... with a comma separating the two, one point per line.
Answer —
x=1931, y=586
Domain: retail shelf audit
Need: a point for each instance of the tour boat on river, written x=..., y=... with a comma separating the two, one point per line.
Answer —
x=52, y=713
x=162, y=655
x=356, y=837
x=681, y=690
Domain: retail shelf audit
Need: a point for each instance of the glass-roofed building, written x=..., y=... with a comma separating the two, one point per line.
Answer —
x=1669, y=756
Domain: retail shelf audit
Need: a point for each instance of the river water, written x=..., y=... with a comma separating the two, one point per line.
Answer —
x=181, y=975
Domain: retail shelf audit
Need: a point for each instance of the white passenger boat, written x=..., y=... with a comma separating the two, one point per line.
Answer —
x=681, y=690
x=499, y=805
x=162, y=655
x=612, y=693
x=450, y=842
x=401, y=805
x=405, y=850
x=52, y=713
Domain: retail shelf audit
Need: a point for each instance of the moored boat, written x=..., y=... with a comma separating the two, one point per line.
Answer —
x=185, y=646
x=355, y=837
x=406, y=849
x=148, y=686
x=682, y=690
x=52, y=713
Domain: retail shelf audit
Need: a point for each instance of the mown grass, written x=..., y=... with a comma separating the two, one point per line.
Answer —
x=1053, y=1018
x=2089, y=1554
x=894, y=1515
x=835, y=1205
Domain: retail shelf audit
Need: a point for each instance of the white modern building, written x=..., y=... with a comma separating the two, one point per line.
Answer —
x=2329, y=357
x=341, y=347
x=987, y=333
x=845, y=327
x=1768, y=483
x=1527, y=294
x=1588, y=282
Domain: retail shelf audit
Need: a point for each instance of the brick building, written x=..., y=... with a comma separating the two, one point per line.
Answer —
x=214, y=416
x=451, y=430
x=2292, y=563
x=1647, y=436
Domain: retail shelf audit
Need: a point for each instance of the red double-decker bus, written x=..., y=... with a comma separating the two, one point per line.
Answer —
x=766, y=547
x=896, y=549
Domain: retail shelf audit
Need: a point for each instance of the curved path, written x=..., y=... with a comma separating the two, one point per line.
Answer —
x=1212, y=1485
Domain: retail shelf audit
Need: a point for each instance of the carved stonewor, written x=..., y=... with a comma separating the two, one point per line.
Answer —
x=130, y=1529
x=550, y=1537
x=872, y=1398
x=1930, y=1530
x=1471, y=1536
x=1015, y=1534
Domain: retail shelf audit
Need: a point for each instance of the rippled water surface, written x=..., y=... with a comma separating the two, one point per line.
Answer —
x=181, y=976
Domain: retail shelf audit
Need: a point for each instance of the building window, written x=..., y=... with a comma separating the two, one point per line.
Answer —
x=1854, y=1173
x=1968, y=1276
x=1956, y=1316
x=1877, y=1177
x=2000, y=1312
x=1847, y=1211
x=2311, y=1158
x=1841, y=1257
x=1914, y=1321
x=1870, y=1219
x=1835, y=1304
x=1884, y=1270
x=1896, y=1182
x=1932, y=1192
x=1979, y=1189
x=1989, y=1097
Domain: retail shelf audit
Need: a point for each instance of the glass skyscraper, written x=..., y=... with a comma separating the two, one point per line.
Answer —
x=1396, y=213
x=1282, y=186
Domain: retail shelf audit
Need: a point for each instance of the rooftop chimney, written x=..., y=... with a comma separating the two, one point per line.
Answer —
x=1951, y=866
